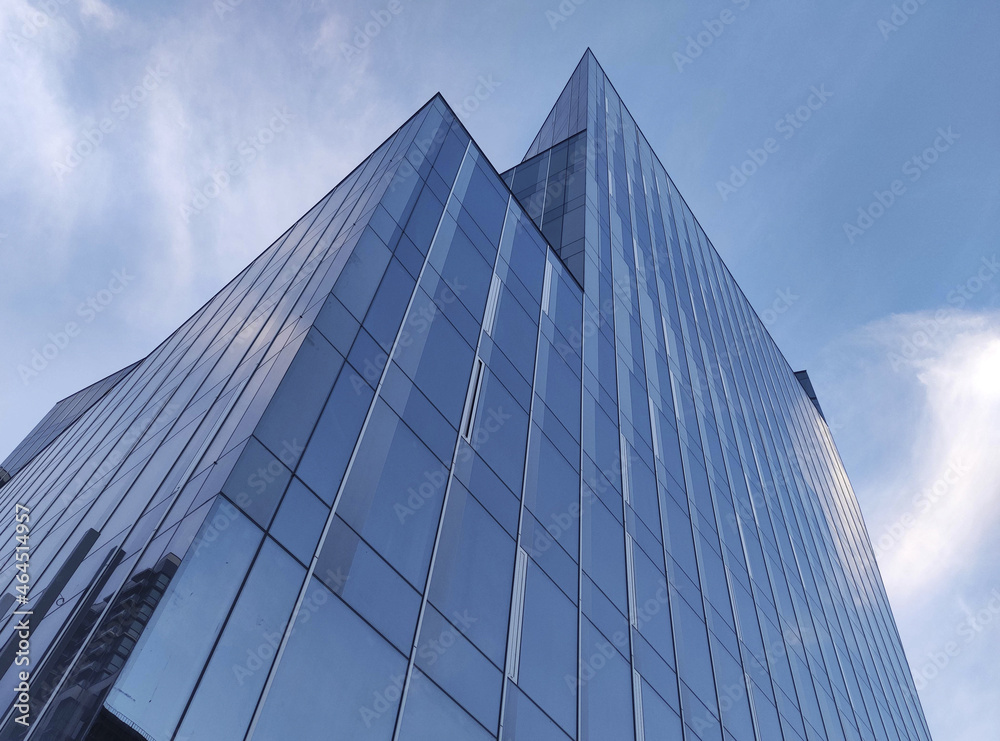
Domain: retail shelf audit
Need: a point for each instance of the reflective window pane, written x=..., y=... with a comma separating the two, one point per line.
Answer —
x=350, y=567
x=430, y=715
x=154, y=686
x=393, y=495
x=333, y=678
x=548, y=649
x=473, y=572
x=299, y=521
x=227, y=694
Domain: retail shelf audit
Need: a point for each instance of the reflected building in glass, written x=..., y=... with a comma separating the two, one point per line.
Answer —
x=463, y=455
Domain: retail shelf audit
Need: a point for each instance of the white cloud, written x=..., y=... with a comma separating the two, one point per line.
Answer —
x=37, y=125
x=917, y=397
x=96, y=12
x=943, y=480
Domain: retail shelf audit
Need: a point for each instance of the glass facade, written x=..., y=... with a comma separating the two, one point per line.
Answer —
x=462, y=455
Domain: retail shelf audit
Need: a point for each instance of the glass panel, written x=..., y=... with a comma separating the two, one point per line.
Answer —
x=606, y=689
x=162, y=670
x=299, y=521
x=513, y=331
x=434, y=355
x=500, y=432
x=559, y=386
x=694, y=664
x=463, y=268
x=227, y=695
x=523, y=721
x=659, y=720
x=257, y=482
x=393, y=494
x=367, y=583
x=430, y=715
x=424, y=219
x=604, y=549
x=455, y=664
x=363, y=272
x=552, y=491
x=337, y=678
x=325, y=459
x=482, y=198
x=386, y=312
x=296, y=405
x=548, y=649
x=651, y=603
x=473, y=573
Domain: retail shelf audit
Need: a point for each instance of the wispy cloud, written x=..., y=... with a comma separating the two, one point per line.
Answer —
x=99, y=14
x=950, y=481
x=921, y=398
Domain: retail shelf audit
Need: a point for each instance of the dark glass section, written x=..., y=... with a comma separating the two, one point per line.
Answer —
x=807, y=385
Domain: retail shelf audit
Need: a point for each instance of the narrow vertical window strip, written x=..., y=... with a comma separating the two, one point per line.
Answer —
x=472, y=399
x=489, y=319
x=633, y=612
x=516, y=615
x=547, y=287
x=654, y=422
x=640, y=729
x=626, y=493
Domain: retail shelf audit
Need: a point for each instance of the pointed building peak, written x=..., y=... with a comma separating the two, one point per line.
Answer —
x=569, y=114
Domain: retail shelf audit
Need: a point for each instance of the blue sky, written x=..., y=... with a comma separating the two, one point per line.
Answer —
x=116, y=118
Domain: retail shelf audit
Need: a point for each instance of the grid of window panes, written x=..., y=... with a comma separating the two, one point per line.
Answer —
x=779, y=618
x=133, y=479
x=61, y=416
x=473, y=486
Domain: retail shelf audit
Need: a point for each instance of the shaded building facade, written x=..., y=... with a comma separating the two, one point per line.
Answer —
x=462, y=455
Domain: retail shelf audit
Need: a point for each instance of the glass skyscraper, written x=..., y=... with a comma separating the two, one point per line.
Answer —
x=463, y=455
